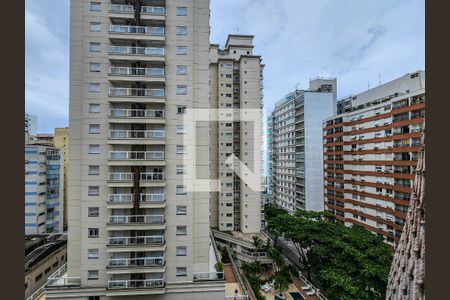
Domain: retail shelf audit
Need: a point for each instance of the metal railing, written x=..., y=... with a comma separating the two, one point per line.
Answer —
x=136, y=92
x=151, y=72
x=136, y=240
x=136, y=134
x=137, y=29
x=149, y=51
x=152, y=176
x=56, y=279
x=156, y=10
x=121, y=8
x=236, y=272
x=136, y=155
x=120, y=198
x=152, y=198
x=136, y=113
x=135, y=262
x=120, y=176
x=136, y=219
x=136, y=284
x=316, y=291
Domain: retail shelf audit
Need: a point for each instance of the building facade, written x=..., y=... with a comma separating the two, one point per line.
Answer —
x=31, y=123
x=297, y=179
x=61, y=140
x=269, y=158
x=370, y=155
x=44, y=177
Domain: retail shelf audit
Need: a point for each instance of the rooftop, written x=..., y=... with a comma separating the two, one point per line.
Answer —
x=38, y=247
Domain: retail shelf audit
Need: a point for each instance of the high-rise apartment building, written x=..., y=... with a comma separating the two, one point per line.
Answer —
x=297, y=179
x=61, y=140
x=31, y=124
x=44, y=177
x=269, y=158
x=370, y=155
x=134, y=229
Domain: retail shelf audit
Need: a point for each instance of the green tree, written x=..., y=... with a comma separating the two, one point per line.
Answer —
x=281, y=281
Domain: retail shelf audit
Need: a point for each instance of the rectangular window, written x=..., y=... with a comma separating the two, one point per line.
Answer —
x=94, y=149
x=93, y=232
x=181, y=169
x=96, y=26
x=94, y=87
x=94, y=170
x=92, y=275
x=181, y=109
x=47, y=270
x=94, y=128
x=96, y=6
x=181, y=70
x=181, y=271
x=181, y=210
x=181, y=230
x=181, y=90
x=92, y=211
x=93, y=190
x=181, y=251
x=93, y=253
x=181, y=11
x=94, y=47
x=39, y=277
x=94, y=108
x=181, y=149
x=180, y=129
x=181, y=190
x=94, y=67
x=181, y=50
x=181, y=30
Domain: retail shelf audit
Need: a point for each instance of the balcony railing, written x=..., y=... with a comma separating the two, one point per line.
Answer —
x=121, y=8
x=120, y=198
x=136, y=134
x=151, y=176
x=137, y=29
x=151, y=72
x=136, y=240
x=135, y=262
x=149, y=51
x=152, y=198
x=135, y=284
x=136, y=92
x=131, y=219
x=156, y=10
x=136, y=155
x=136, y=113
x=120, y=176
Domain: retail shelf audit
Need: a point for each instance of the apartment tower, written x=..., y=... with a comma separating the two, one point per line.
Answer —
x=370, y=155
x=61, y=140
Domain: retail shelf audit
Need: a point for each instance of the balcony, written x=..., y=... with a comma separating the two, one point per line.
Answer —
x=151, y=176
x=136, y=134
x=136, y=240
x=120, y=198
x=135, y=92
x=153, y=13
x=136, y=219
x=140, y=53
x=135, y=262
x=152, y=198
x=136, y=284
x=136, y=155
x=134, y=74
x=121, y=8
x=136, y=113
x=137, y=32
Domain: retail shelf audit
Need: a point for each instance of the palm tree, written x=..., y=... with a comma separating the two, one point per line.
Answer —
x=281, y=282
x=257, y=242
x=277, y=258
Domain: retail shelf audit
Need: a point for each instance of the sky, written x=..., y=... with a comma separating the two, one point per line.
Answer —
x=357, y=41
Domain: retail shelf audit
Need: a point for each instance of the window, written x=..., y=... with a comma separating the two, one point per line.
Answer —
x=181, y=109
x=181, y=50
x=94, y=87
x=181, y=149
x=47, y=270
x=228, y=75
x=96, y=26
x=39, y=277
x=181, y=70
x=180, y=129
x=93, y=190
x=94, y=67
x=181, y=169
x=55, y=264
x=181, y=30
x=94, y=298
x=94, y=170
x=181, y=251
x=181, y=271
x=181, y=190
x=92, y=211
x=181, y=210
x=95, y=6
x=94, y=128
x=181, y=230
x=93, y=232
x=94, y=149
x=93, y=253
x=229, y=204
x=94, y=47
x=92, y=275
x=181, y=90
x=181, y=11
x=94, y=108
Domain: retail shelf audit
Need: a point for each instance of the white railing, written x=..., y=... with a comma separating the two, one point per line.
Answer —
x=136, y=134
x=254, y=254
x=151, y=72
x=135, y=262
x=135, y=284
x=199, y=276
x=120, y=176
x=136, y=155
x=57, y=279
x=120, y=198
x=136, y=240
x=121, y=8
x=136, y=92
x=152, y=198
x=136, y=29
x=151, y=176
x=153, y=10
x=136, y=219
x=136, y=113
x=150, y=51
x=316, y=291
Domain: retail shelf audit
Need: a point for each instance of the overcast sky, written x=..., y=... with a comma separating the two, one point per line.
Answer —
x=354, y=40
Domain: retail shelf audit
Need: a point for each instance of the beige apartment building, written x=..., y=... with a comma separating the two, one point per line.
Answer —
x=61, y=140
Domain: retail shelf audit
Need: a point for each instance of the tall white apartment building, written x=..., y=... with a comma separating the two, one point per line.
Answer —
x=44, y=189
x=297, y=170
x=134, y=228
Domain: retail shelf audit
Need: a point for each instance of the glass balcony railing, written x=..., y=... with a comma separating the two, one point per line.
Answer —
x=120, y=198
x=155, y=10
x=135, y=262
x=126, y=71
x=135, y=284
x=136, y=92
x=149, y=51
x=136, y=240
x=136, y=113
x=152, y=198
x=120, y=176
x=136, y=219
x=136, y=134
x=137, y=29
x=136, y=155
x=121, y=8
